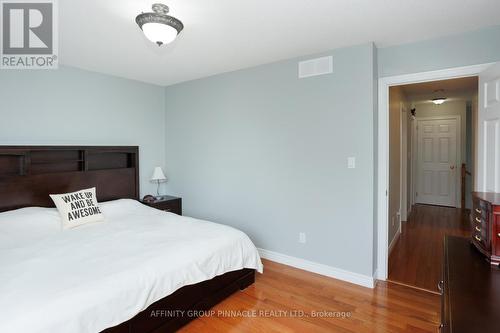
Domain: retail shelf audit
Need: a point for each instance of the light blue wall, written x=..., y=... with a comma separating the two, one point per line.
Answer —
x=265, y=152
x=72, y=106
x=476, y=47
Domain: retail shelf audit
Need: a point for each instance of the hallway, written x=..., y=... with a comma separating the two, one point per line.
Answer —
x=416, y=259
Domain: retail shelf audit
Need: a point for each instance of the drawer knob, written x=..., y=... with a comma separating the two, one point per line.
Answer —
x=477, y=238
x=478, y=210
x=478, y=220
x=478, y=229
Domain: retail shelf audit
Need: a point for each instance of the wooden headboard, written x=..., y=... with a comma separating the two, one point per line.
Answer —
x=28, y=174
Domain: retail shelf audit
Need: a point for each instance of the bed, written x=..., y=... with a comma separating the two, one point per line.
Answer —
x=142, y=270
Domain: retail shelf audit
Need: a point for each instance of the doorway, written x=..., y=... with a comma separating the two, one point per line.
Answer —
x=435, y=129
x=383, y=214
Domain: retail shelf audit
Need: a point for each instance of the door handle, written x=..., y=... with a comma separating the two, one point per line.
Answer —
x=452, y=167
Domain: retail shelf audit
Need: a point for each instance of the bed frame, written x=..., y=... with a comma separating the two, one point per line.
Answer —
x=28, y=174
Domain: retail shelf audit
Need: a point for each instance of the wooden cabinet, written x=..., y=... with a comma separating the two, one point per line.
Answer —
x=470, y=290
x=485, y=224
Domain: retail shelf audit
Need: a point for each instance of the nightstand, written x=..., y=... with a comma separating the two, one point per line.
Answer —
x=167, y=203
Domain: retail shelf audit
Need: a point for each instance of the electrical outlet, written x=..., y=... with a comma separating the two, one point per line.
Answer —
x=302, y=237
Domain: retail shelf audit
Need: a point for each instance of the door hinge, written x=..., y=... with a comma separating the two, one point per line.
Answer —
x=386, y=193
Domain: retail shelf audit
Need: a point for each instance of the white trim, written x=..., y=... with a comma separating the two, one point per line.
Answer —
x=403, y=164
x=383, y=145
x=458, y=155
x=413, y=161
x=333, y=272
x=394, y=239
x=444, y=74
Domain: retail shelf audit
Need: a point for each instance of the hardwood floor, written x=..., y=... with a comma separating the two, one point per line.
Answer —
x=417, y=257
x=387, y=308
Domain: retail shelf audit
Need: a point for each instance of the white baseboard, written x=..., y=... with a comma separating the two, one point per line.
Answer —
x=337, y=273
x=394, y=240
x=375, y=278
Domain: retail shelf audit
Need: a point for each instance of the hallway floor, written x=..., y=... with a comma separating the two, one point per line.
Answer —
x=417, y=257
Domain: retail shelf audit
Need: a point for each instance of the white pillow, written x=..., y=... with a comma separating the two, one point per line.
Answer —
x=77, y=208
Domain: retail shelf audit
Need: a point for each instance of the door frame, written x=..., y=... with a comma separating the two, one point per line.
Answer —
x=384, y=84
x=413, y=156
x=458, y=154
x=403, y=172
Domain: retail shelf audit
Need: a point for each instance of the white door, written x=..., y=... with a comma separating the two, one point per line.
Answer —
x=488, y=166
x=437, y=162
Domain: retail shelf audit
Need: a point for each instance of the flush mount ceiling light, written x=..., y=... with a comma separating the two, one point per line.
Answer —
x=159, y=27
x=439, y=101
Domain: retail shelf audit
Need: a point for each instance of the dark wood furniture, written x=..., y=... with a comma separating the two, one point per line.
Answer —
x=28, y=174
x=166, y=203
x=470, y=300
x=485, y=224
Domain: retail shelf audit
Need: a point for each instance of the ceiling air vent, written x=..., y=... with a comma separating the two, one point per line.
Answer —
x=314, y=67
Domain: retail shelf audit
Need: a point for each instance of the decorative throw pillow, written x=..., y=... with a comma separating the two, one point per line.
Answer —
x=78, y=208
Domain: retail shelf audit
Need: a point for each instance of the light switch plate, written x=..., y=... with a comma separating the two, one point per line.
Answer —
x=302, y=237
x=351, y=162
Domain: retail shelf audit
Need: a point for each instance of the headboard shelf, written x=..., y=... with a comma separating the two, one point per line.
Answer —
x=28, y=174
x=55, y=162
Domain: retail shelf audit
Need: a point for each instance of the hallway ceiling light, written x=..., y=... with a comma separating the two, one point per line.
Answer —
x=159, y=27
x=439, y=101
x=438, y=97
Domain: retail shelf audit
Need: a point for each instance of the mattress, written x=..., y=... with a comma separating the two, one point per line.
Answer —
x=99, y=275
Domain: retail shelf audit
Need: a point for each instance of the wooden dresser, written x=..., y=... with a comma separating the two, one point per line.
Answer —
x=470, y=300
x=485, y=224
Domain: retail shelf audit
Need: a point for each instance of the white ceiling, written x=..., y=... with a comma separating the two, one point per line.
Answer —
x=226, y=35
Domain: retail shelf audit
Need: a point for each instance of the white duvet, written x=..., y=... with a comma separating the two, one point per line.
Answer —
x=96, y=276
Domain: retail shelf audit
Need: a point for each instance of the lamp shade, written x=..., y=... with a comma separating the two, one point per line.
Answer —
x=158, y=175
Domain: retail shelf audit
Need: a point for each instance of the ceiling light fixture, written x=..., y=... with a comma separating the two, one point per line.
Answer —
x=439, y=98
x=439, y=101
x=159, y=27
